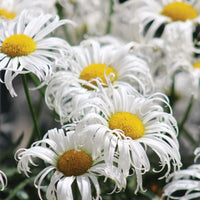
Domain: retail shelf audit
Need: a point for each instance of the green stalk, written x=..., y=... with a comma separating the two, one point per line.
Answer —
x=38, y=111
x=30, y=104
x=61, y=15
x=109, y=20
x=37, y=83
x=19, y=187
x=187, y=112
x=190, y=138
x=172, y=92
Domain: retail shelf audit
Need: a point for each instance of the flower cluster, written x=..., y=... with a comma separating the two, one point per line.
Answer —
x=115, y=77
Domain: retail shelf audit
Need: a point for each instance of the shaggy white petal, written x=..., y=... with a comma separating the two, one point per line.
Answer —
x=53, y=145
x=3, y=180
x=160, y=131
x=66, y=89
x=148, y=15
x=186, y=181
x=40, y=61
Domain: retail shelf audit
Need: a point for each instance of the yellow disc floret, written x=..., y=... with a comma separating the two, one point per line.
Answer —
x=74, y=163
x=97, y=70
x=196, y=65
x=18, y=45
x=129, y=123
x=6, y=15
x=179, y=11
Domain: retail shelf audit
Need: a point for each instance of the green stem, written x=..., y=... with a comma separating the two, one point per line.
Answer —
x=19, y=187
x=187, y=112
x=109, y=20
x=33, y=114
x=190, y=138
x=38, y=111
x=61, y=15
x=172, y=92
x=37, y=83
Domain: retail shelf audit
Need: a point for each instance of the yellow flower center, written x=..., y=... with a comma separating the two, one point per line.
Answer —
x=179, y=11
x=97, y=70
x=196, y=65
x=74, y=163
x=18, y=45
x=129, y=123
x=6, y=15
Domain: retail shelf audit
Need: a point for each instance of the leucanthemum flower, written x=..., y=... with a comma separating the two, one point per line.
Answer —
x=70, y=157
x=109, y=64
x=11, y=9
x=154, y=16
x=132, y=124
x=184, y=184
x=181, y=61
x=25, y=47
x=92, y=18
x=3, y=180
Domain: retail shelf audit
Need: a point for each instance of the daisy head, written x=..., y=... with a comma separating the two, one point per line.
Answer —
x=111, y=64
x=70, y=158
x=155, y=16
x=94, y=64
x=184, y=184
x=26, y=48
x=132, y=124
x=181, y=62
x=3, y=180
x=11, y=9
x=92, y=17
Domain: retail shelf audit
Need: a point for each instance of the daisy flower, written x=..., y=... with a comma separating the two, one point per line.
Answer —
x=70, y=158
x=155, y=16
x=121, y=25
x=109, y=64
x=10, y=9
x=92, y=18
x=3, y=180
x=25, y=47
x=185, y=184
x=181, y=61
x=133, y=124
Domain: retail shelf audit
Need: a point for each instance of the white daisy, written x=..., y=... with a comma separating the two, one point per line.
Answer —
x=154, y=16
x=181, y=60
x=70, y=157
x=91, y=16
x=132, y=124
x=121, y=23
x=10, y=9
x=110, y=64
x=3, y=180
x=25, y=47
x=184, y=184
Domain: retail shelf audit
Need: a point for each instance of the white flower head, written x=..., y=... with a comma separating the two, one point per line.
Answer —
x=3, y=180
x=92, y=64
x=26, y=48
x=91, y=16
x=155, y=16
x=11, y=9
x=181, y=61
x=70, y=157
x=132, y=124
x=184, y=184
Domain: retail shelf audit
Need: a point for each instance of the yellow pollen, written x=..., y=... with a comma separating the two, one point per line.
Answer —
x=6, y=15
x=18, y=45
x=96, y=70
x=179, y=11
x=129, y=123
x=74, y=163
x=196, y=65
